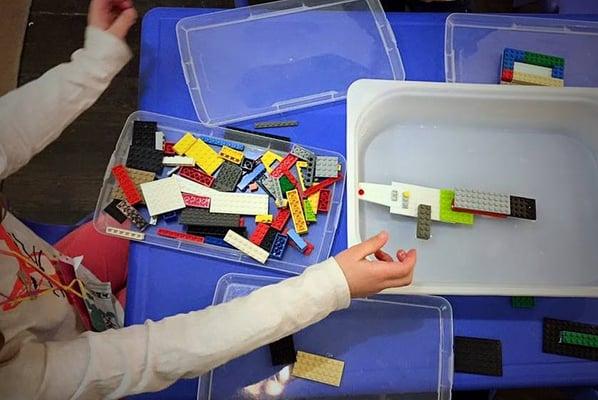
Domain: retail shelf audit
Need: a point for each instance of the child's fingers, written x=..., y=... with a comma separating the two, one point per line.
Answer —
x=401, y=255
x=123, y=22
x=370, y=246
x=399, y=269
x=382, y=255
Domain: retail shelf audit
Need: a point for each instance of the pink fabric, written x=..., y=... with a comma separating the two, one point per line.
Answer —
x=103, y=255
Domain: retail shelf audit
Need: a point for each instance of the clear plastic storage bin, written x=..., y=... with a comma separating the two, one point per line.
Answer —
x=474, y=44
x=400, y=345
x=281, y=56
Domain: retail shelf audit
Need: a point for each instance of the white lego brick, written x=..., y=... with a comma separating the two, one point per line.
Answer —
x=239, y=203
x=417, y=195
x=125, y=233
x=162, y=196
x=159, y=140
x=188, y=186
x=244, y=245
x=375, y=193
x=177, y=161
x=532, y=69
x=172, y=171
x=153, y=220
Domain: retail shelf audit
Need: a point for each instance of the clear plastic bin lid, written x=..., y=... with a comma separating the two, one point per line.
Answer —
x=399, y=345
x=281, y=56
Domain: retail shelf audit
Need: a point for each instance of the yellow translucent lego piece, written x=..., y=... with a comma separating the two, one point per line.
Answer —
x=314, y=199
x=522, y=78
x=269, y=158
x=230, y=154
x=299, y=165
x=204, y=156
x=406, y=195
x=265, y=218
x=184, y=144
x=319, y=369
x=297, y=211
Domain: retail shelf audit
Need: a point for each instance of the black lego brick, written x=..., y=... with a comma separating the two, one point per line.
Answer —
x=522, y=207
x=203, y=217
x=551, y=339
x=478, y=356
x=274, y=142
x=282, y=352
x=228, y=177
x=144, y=134
x=112, y=210
x=215, y=231
x=145, y=159
x=268, y=240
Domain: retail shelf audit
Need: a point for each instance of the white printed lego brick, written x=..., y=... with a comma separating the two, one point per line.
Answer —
x=125, y=233
x=244, y=245
x=162, y=196
x=416, y=195
x=176, y=161
x=159, y=140
x=375, y=193
x=239, y=203
x=532, y=69
x=188, y=186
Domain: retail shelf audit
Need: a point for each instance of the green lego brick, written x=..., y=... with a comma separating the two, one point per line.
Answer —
x=446, y=212
x=522, y=302
x=285, y=184
x=543, y=60
x=579, y=339
x=310, y=216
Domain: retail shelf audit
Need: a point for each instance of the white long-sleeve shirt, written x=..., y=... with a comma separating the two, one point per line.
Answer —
x=45, y=355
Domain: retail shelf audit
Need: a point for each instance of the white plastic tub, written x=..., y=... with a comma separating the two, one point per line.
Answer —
x=533, y=142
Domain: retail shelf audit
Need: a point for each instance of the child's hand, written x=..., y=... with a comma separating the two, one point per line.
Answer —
x=369, y=277
x=114, y=16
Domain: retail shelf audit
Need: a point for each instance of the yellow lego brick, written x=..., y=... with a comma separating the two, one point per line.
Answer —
x=522, y=78
x=299, y=165
x=184, y=144
x=204, y=156
x=265, y=218
x=319, y=369
x=314, y=199
x=297, y=211
x=230, y=154
x=268, y=159
x=138, y=177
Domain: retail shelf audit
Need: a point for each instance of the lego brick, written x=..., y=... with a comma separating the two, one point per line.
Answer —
x=551, y=340
x=162, y=196
x=159, y=141
x=299, y=165
x=297, y=240
x=543, y=60
x=506, y=75
x=126, y=184
x=239, y=203
x=579, y=339
x=169, y=149
x=125, y=233
x=112, y=210
x=259, y=233
x=308, y=249
x=145, y=159
x=282, y=352
x=303, y=153
x=477, y=201
x=184, y=143
x=144, y=134
x=228, y=177
x=514, y=54
x=170, y=217
x=250, y=177
x=254, y=154
x=326, y=167
x=522, y=302
x=324, y=200
x=308, y=173
x=215, y=231
x=523, y=208
x=275, y=124
x=138, y=177
x=478, y=356
x=231, y=155
x=172, y=171
x=153, y=220
x=322, y=185
x=215, y=141
x=192, y=200
x=319, y=369
x=188, y=186
x=175, y=161
x=446, y=211
x=522, y=78
x=205, y=157
x=203, y=217
x=268, y=159
x=179, y=235
x=297, y=211
x=281, y=203
x=261, y=139
x=145, y=126
x=285, y=164
x=294, y=182
x=244, y=245
x=281, y=219
x=558, y=72
x=424, y=225
x=279, y=246
x=264, y=218
x=133, y=215
x=247, y=164
x=196, y=175
x=268, y=239
x=314, y=200
x=253, y=187
x=271, y=186
x=310, y=215
x=216, y=241
x=532, y=69
x=285, y=184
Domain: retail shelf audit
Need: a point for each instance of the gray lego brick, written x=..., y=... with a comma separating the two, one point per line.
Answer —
x=326, y=167
x=303, y=153
x=228, y=177
x=424, y=221
x=203, y=217
x=475, y=200
x=308, y=172
x=271, y=186
x=275, y=124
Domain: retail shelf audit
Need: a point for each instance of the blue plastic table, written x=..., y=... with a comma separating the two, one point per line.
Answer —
x=164, y=282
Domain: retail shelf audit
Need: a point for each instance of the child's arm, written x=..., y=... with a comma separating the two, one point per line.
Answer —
x=35, y=114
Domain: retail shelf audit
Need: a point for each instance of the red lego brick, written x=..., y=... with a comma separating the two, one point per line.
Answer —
x=478, y=212
x=294, y=182
x=192, y=200
x=507, y=75
x=287, y=162
x=322, y=185
x=196, y=175
x=168, y=149
x=308, y=249
x=179, y=235
x=281, y=219
x=127, y=185
x=259, y=233
x=324, y=200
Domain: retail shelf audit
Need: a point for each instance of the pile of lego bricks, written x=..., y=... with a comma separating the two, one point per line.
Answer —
x=527, y=68
x=214, y=184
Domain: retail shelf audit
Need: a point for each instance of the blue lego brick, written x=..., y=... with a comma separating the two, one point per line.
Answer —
x=279, y=246
x=250, y=177
x=216, y=241
x=558, y=72
x=170, y=217
x=296, y=239
x=222, y=142
x=508, y=63
x=514, y=54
